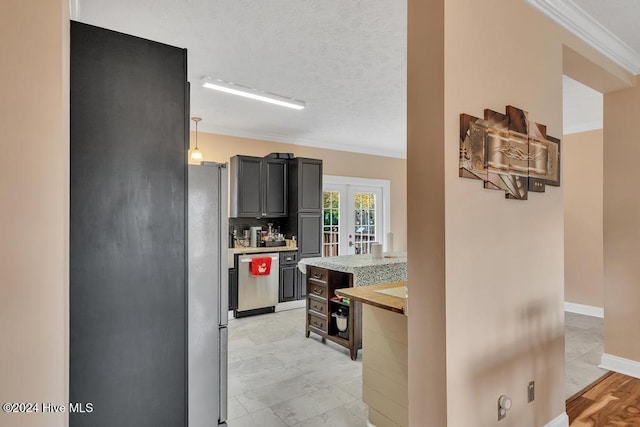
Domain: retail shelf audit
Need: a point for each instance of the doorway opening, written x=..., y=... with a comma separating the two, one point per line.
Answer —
x=583, y=234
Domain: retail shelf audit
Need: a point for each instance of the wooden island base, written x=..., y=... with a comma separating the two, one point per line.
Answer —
x=321, y=287
x=385, y=376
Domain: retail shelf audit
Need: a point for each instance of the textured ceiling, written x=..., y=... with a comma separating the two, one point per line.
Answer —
x=620, y=17
x=345, y=58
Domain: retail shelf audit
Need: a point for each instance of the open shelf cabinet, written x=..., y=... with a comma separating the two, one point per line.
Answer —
x=321, y=286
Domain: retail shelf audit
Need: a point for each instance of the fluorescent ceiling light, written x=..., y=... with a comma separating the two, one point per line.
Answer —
x=247, y=92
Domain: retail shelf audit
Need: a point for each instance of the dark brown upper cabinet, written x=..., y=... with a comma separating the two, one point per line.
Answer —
x=258, y=187
x=305, y=206
x=307, y=193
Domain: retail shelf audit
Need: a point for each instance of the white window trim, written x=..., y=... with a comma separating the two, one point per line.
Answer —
x=385, y=184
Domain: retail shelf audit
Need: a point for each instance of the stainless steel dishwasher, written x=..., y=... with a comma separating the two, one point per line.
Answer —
x=257, y=294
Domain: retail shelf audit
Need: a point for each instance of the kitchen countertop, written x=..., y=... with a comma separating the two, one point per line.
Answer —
x=368, y=295
x=366, y=270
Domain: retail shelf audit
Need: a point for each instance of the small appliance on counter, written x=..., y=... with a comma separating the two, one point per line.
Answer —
x=255, y=236
x=244, y=241
x=342, y=322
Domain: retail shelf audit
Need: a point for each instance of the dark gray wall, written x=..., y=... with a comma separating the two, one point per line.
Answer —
x=127, y=231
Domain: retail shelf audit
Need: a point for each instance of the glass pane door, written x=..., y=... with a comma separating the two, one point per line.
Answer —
x=331, y=223
x=364, y=224
x=352, y=219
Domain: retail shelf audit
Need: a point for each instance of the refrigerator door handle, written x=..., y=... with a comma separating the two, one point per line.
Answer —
x=224, y=246
x=224, y=336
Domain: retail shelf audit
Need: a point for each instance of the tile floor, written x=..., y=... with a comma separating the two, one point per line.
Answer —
x=277, y=377
x=583, y=349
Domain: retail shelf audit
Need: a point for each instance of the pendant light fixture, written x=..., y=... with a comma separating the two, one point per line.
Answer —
x=196, y=154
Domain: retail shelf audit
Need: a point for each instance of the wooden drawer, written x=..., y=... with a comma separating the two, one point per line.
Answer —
x=318, y=305
x=318, y=322
x=317, y=289
x=288, y=257
x=319, y=274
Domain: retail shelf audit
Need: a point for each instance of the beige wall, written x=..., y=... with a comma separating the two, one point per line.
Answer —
x=504, y=258
x=583, y=235
x=426, y=213
x=220, y=148
x=503, y=276
x=621, y=224
x=34, y=166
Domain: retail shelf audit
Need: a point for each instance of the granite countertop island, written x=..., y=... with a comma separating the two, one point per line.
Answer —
x=366, y=269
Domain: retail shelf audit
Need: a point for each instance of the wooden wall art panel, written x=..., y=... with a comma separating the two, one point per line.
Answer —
x=508, y=152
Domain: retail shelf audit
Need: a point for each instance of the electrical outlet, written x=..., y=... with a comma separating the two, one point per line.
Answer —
x=531, y=391
x=504, y=404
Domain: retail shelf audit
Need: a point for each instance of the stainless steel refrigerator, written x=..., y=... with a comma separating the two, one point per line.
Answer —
x=208, y=294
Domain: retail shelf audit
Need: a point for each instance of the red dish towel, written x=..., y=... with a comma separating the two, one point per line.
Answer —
x=261, y=266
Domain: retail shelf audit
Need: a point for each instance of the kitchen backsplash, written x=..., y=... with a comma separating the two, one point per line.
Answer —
x=241, y=224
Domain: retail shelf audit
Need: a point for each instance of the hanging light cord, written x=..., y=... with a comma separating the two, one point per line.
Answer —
x=196, y=155
x=196, y=132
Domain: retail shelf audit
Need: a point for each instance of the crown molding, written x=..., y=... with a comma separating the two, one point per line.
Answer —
x=273, y=137
x=73, y=9
x=574, y=19
x=374, y=151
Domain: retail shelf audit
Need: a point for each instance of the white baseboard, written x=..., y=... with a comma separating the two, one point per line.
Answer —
x=561, y=420
x=587, y=310
x=620, y=365
x=290, y=305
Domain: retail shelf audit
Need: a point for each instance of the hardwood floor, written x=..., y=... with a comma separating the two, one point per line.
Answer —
x=613, y=401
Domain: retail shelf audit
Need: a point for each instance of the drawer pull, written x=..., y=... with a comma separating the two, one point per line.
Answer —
x=317, y=275
x=317, y=307
x=317, y=291
x=318, y=324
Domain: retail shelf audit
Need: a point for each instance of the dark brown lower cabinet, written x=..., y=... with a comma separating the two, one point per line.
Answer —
x=302, y=285
x=288, y=276
x=321, y=286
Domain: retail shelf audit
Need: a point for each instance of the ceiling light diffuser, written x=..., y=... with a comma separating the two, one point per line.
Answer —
x=247, y=92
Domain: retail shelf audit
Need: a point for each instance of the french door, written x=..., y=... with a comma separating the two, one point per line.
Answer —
x=353, y=216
